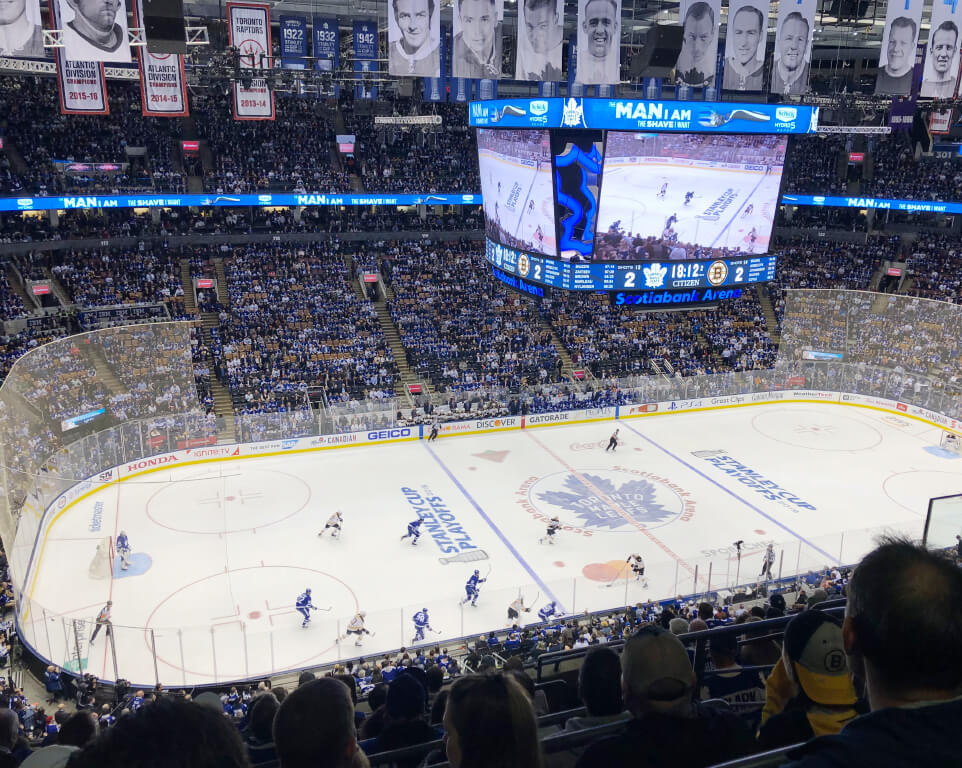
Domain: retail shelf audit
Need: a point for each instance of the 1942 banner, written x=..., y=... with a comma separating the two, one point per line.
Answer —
x=249, y=30
x=365, y=57
x=163, y=87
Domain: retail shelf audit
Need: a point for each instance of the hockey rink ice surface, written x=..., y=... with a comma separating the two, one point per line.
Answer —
x=221, y=550
x=629, y=193
x=520, y=184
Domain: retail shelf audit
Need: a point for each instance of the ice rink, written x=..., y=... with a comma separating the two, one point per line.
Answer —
x=222, y=550
x=714, y=218
x=514, y=186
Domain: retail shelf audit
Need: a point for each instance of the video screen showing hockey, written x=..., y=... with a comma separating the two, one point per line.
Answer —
x=516, y=185
x=687, y=196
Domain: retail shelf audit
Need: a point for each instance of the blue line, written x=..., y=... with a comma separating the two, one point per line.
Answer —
x=733, y=494
x=500, y=535
x=737, y=209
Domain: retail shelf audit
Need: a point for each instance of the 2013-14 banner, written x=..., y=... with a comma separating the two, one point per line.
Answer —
x=163, y=86
x=249, y=30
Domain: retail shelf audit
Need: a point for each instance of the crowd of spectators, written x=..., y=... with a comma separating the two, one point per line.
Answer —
x=812, y=165
x=933, y=267
x=896, y=173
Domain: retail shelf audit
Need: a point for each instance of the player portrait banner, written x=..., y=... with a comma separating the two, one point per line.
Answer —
x=327, y=54
x=249, y=30
x=697, y=59
x=435, y=88
x=897, y=59
x=163, y=87
x=941, y=72
x=293, y=32
x=793, y=47
x=94, y=31
x=20, y=30
x=82, y=86
x=476, y=50
x=745, y=41
x=599, y=38
x=540, y=40
x=364, y=39
x=414, y=38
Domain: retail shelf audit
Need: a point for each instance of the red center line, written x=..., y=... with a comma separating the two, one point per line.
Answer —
x=612, y=504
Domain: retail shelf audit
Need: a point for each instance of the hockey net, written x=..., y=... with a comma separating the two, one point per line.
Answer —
x=951, y=442
x=102, y=565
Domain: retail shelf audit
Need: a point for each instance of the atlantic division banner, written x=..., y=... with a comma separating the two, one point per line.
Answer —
x=793, y=47
x=476, y=51
x=942, y=51
x=94, y=31
x=745, y=45
x=20, y=30
x=82, y=86
x=599, y=38
x=365, y=57
x=897, y=59
x=414, y=38
x=249, y=30
x=163, y=87
x=697, y=61
x=540, y=40
x=293, y=32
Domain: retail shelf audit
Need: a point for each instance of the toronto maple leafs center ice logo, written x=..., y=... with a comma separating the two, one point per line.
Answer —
x=608, y=499
x=655, y=275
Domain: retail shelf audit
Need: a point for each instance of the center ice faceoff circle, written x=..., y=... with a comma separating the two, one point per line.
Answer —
x=610, y=499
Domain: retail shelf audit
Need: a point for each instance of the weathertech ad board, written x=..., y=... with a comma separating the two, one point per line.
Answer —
x=163, y=87
x=249, y=30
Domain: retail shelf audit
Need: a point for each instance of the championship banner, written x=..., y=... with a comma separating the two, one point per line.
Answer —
x=793, y=47
x=21, y=30
x=897, y=59
x=249, y=30
x=82, y=86
x=575, y=88
x=940, y=121
x=540, y=39
x=365, y=55
x=942, y=52
x=695, y=66
x=435, y=88
x=293, y=32
x=476, y=51
x=94, y=31
x=745, y=45
x=414, y=38
x=327, y=53
x=599, y=42
x=163, y=86
x=487, y=89
x=548, y=90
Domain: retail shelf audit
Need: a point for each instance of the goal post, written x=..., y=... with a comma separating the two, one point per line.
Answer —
x=102, y=564
x=952, y=442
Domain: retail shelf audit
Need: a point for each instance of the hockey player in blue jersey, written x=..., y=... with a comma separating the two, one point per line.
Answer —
x=471, y=588
x=304, y=606
x=421, y=622
x=414, y=530
x=549, y=612
x=123, y=549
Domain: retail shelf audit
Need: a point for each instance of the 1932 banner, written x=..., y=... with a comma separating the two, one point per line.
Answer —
x=249, y=31
x=163, y=87
x=293, y=32
x=327, y=50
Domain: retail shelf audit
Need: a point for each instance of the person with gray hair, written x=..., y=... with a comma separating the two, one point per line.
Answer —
x=667, y=725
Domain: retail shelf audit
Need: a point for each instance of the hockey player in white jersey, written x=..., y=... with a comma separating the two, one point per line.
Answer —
x=304, y=606
x=554, y=525
x=768, y=562
x=638, y=568
x=421, y=623
x=356, y=628
x=334, y=523
x=123, y=549
x=516, y=607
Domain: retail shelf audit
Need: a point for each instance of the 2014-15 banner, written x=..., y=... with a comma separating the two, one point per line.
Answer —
x=163, y=86
x=249, y=30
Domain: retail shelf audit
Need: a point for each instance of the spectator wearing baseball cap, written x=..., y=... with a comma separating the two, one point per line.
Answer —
x=743, y=689
x=667, y=727
x=812, y=680
x=901, y=633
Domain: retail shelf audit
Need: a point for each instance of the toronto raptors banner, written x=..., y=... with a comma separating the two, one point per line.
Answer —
x=163, y=87
x=249, y=31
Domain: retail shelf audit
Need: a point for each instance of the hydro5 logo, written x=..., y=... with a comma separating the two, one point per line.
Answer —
x=785, y=114
x=25, y=202
x=264, y=199
x=387, y=434
x=538, y=108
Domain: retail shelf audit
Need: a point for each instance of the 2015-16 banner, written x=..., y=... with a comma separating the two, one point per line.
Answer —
x=81, y=85
x=249, y=30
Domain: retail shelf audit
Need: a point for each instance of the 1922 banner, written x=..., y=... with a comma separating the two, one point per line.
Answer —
x=163, y=87
x=249, y=30
x=293, y=31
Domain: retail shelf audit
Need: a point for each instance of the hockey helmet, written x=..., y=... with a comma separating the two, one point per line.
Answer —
x=308, y=590
x=477, y=572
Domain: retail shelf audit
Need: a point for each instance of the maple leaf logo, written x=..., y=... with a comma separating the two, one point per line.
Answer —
x=600, y=503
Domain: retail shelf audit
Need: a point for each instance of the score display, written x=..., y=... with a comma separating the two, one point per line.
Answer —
x=629, y=276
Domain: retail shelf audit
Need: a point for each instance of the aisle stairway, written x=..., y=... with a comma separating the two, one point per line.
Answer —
x=567, y=364
x=768, y=310
x=190, y=302
x=221, y=282
x=223, y=404
x=14, y=279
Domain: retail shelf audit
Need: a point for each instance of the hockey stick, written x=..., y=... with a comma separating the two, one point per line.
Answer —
x=534, y=602
x=488, y=573
x=316, y=608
